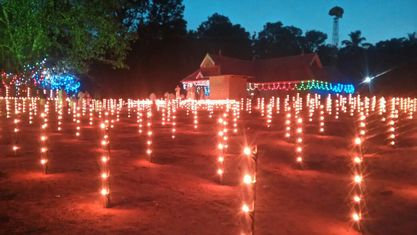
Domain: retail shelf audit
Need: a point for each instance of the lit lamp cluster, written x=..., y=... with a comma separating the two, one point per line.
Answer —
x=163, y=116
x=91, y=114
x=195, y=115
x=249, y=106
x=329, y=104
x=362, y=125
x=269, y=113
x=59, y=116
x=357, y=195
x=277, y=106
x=311, y=107
x=221, y=145
x=139, y=116
x=337, y=108
x=288, y=122
x=250, y=167
x=8, y=101
x=321, y=118
x=76, y=118
x=210, y=110
x=392, y=121
x=174, y=122
x=130, y=105
x=149, y=134
x=299, y=141
x=261, y=106
x=113, y=107
x=104, y=161
x=32, y=106
x=298, y=105
x=78, y=122
x=118, y=108
x=43, y=140
x=236, y=115
x=16, y=130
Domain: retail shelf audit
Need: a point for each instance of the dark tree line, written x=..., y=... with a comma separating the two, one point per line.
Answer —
x=164, y=51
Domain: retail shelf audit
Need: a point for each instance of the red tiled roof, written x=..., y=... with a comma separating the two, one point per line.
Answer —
x=232, y=66
x=290, y=68
x=192, y=76
x=205, y=74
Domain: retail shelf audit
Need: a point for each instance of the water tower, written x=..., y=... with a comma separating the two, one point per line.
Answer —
x=337, y=13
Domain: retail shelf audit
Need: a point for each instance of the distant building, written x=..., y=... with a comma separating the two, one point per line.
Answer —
x=221, y=77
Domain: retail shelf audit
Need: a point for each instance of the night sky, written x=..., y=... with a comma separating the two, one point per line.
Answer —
x=377, y=19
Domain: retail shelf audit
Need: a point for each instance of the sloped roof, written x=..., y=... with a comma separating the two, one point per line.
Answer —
x=192, y=76
x=289, y=68
x=202, y=74
x=233, y=66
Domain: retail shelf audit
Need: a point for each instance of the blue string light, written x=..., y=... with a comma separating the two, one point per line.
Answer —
x=60, y=81
x=47, y=78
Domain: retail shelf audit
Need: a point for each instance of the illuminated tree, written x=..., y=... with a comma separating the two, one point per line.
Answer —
x=74, y=33
x=23, y=38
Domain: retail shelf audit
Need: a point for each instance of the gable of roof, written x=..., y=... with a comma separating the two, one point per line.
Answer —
x=207, y=61
x=192, y=76
x=203, y=73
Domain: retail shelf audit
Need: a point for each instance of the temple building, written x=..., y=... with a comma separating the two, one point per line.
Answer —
x=221, y=77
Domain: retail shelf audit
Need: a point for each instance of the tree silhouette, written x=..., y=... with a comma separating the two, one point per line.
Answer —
x=412, y=38
x=219, y=34
x=356, y=40
x=278, y=40
x=313, y=40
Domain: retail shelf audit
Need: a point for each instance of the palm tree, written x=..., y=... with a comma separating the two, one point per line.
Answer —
x=412, y=37
x=356, y=40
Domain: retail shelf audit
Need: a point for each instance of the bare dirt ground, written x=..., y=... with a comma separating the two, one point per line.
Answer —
x=178, y=192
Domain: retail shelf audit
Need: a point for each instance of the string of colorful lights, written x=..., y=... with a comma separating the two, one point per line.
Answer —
x=308, y=85
x=44, y=77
